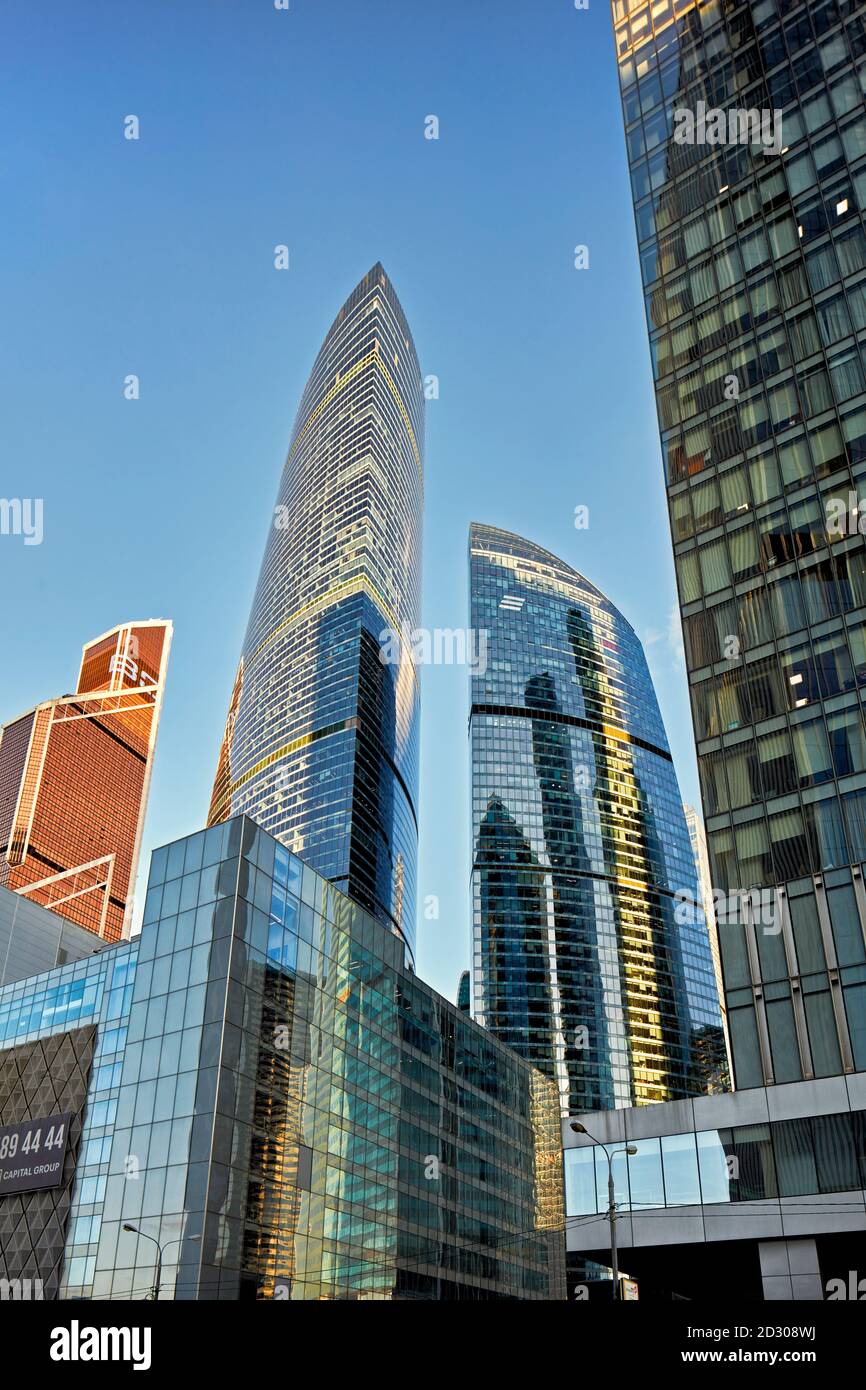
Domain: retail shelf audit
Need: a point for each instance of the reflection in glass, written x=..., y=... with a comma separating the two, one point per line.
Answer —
x=645, y=1174
x=587, y=960
x=715, y=1167
x=321, y=739
x=680, y=1160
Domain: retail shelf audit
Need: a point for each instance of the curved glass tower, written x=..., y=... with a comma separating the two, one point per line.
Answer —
x=591, y=955
x=321, y=740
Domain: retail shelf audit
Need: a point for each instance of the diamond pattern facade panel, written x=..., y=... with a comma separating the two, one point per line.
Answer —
x=36, y=1080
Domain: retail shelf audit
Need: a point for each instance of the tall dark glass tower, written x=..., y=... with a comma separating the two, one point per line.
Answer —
x=321, y=741
x=753, y=257
x=584, y=961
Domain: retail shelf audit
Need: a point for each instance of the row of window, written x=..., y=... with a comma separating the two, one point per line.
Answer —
x=748, y=1163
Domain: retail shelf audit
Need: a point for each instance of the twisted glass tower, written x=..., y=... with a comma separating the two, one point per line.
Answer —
x=321, y=740
x=584, y=960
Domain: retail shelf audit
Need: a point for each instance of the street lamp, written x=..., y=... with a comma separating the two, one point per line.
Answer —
x=578, y=1128
x=127, y=1226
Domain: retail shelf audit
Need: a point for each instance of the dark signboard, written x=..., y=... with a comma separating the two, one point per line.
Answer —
x=32, y=1153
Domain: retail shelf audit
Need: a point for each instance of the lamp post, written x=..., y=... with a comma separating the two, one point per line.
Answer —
x=127, y=1226
x=578, y=1128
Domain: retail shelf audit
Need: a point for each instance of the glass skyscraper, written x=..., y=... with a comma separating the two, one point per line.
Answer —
x=74, y=779
x=753, y=257
x=584, y=960
x=321, y=741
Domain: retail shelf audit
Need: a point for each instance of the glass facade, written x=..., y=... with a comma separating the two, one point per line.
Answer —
x=753, y=259
x=66, y=1003
x=745, y=1163
x=580, y=845
x=321, y=741
x=74, y=778
x=280, y=1102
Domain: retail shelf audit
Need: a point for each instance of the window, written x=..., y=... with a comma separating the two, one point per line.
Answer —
x=735, y=958
x=763, y=474
x=851, y=247
x=845, y=921
x=742, y=773
x=821, y=1027
x=835, y=1157
x=821, y=268
x=795, y=461
x=689, y=576
x=807, y=934
x=743, y=553
x=847, y=742
x=854, y=805
x=827, y=448
x=795, y=1159
x=680, y=1163
x=681, y=517
x=855, y=1009
x=756, y=622
x=715, y=572
x=715, y=1170
x=705, y=501
x=825, y=833
x=833, y=666
x=846, y=374
x=734, y=491
x=764, y=684
x=833, y=320
x=645, y=1174
x=811, y=752
x=580, y=1182
x=754, y=1169
x=754, y=854
x=778, y=769
x=783, y=1041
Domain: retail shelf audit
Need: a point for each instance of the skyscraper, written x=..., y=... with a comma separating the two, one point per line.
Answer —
x=74, y=778
x=746, y=139
x=584, y=960
x=321, y=741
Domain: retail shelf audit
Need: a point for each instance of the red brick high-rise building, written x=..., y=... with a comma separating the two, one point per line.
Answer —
x=74, y=778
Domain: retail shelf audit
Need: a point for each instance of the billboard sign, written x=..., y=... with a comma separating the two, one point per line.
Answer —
x=32, y=1154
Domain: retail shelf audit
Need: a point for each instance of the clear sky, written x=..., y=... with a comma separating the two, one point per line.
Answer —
x=305, y=127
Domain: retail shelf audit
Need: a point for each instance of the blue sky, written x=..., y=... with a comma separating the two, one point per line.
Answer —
x=155, y=257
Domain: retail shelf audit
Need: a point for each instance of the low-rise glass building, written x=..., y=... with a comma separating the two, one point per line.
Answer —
x=259, y=1084
x=758, y=1194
